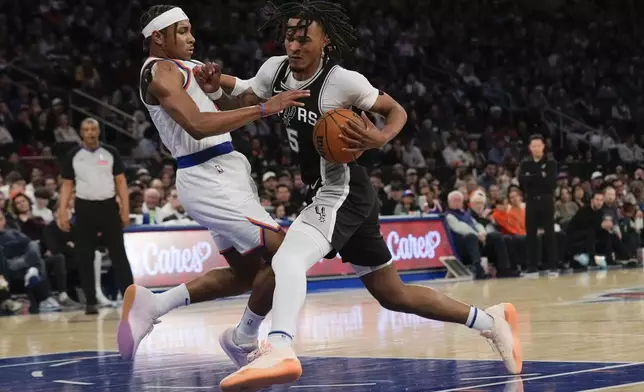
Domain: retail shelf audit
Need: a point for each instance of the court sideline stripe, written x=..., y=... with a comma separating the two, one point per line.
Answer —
x=493, y=377
x=56, y=361
x=465, y=359
x=367, y=384
x=517, y=378
x=614, y=387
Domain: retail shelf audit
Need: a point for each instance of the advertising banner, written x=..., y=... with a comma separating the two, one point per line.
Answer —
x=168, y=256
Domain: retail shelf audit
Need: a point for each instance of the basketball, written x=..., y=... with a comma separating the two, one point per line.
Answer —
x=326, y=136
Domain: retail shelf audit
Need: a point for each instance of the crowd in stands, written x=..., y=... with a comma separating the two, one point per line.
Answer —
x=477, y=79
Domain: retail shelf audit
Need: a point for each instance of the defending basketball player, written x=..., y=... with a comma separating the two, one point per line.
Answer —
x=344, y=213
x=213, y=182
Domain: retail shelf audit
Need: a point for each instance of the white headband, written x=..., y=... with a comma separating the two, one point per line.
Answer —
x=164, y=20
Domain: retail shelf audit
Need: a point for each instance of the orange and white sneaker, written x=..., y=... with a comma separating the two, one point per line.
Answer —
x=137, y=321
x=267, y=366
x=504, y=336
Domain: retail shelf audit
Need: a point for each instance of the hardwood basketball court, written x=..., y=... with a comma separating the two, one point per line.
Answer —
x=582, y=332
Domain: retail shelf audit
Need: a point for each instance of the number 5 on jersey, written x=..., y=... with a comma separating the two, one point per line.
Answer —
x=292, y=139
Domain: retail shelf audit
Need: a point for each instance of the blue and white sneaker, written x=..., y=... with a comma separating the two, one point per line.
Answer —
x=32, y=278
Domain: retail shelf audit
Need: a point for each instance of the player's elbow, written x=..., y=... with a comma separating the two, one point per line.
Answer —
x=403, y=113
x=194, y=129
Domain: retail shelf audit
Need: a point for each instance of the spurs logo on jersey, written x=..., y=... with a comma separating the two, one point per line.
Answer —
x=301, y=115
x=299, y=121
x=287, y=115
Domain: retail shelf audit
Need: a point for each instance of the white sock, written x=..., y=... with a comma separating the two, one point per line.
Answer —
x=280, y=339
x=248, y=327
x=172, y=299
x=302, y=248
x=479, y=320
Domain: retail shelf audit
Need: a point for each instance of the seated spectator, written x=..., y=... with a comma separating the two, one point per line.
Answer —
x=512, y=221
x=629, y=152
x=151, y=211
x=511, y=217
x=579, y=196
x=428, y=202
x=453, y=155
x=631, y=225
x=585, y=230
x=395, y=197
x=25, y=265
x=173, y=210
x=51, y=185
x=407, y=205
x=283, y=197
x=494, y=195
x=136, y=202
x=158, y=185
x=14, y=183
x=269, y=181
x=471, y=238
x=65, y=133
x=412, y=157
x=565, y=208
x=499, y=152
x=30, y=225
x=488, y=178
x=611, y=209
x=41, y=208
x=474, y=157
x=280, y=213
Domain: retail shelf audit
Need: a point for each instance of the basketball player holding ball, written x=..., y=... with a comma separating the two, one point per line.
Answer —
x=343, y=215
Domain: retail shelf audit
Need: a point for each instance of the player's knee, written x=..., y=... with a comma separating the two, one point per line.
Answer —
x=265, y=280
x=286, y=264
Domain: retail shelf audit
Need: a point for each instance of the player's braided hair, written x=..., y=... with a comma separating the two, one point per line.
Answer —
x=330, y=16
x=147, y=17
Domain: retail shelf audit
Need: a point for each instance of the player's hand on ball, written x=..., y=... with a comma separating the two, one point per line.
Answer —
x=361, y=137
x=208, y=76
x=284, y=100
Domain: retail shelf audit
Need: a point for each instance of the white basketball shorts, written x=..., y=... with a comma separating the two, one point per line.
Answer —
x=221, y=195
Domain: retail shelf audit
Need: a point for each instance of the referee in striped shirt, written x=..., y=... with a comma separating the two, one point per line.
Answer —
x=98, y=172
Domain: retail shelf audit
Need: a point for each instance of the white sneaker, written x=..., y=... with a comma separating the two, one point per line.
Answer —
x=101, y=299
x=137, y=320
x=238, y=353
x=268, y=366
x=504, y=337
x=49, y=305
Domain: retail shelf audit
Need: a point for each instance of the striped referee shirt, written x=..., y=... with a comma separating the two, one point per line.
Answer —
x=93, y=171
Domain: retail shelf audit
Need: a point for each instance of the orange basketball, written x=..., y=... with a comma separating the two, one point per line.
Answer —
x=326, y=136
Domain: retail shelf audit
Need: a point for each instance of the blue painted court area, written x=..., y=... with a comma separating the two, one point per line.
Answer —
x=94, y=371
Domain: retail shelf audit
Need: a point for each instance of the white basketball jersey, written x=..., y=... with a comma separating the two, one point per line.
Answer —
x=174, y=137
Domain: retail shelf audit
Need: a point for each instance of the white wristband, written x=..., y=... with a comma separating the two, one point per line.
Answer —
x=216, y=95
x=240, y=87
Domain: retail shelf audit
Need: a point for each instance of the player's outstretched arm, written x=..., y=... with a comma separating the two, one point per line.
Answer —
x=167, y=87
x=239, y=90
